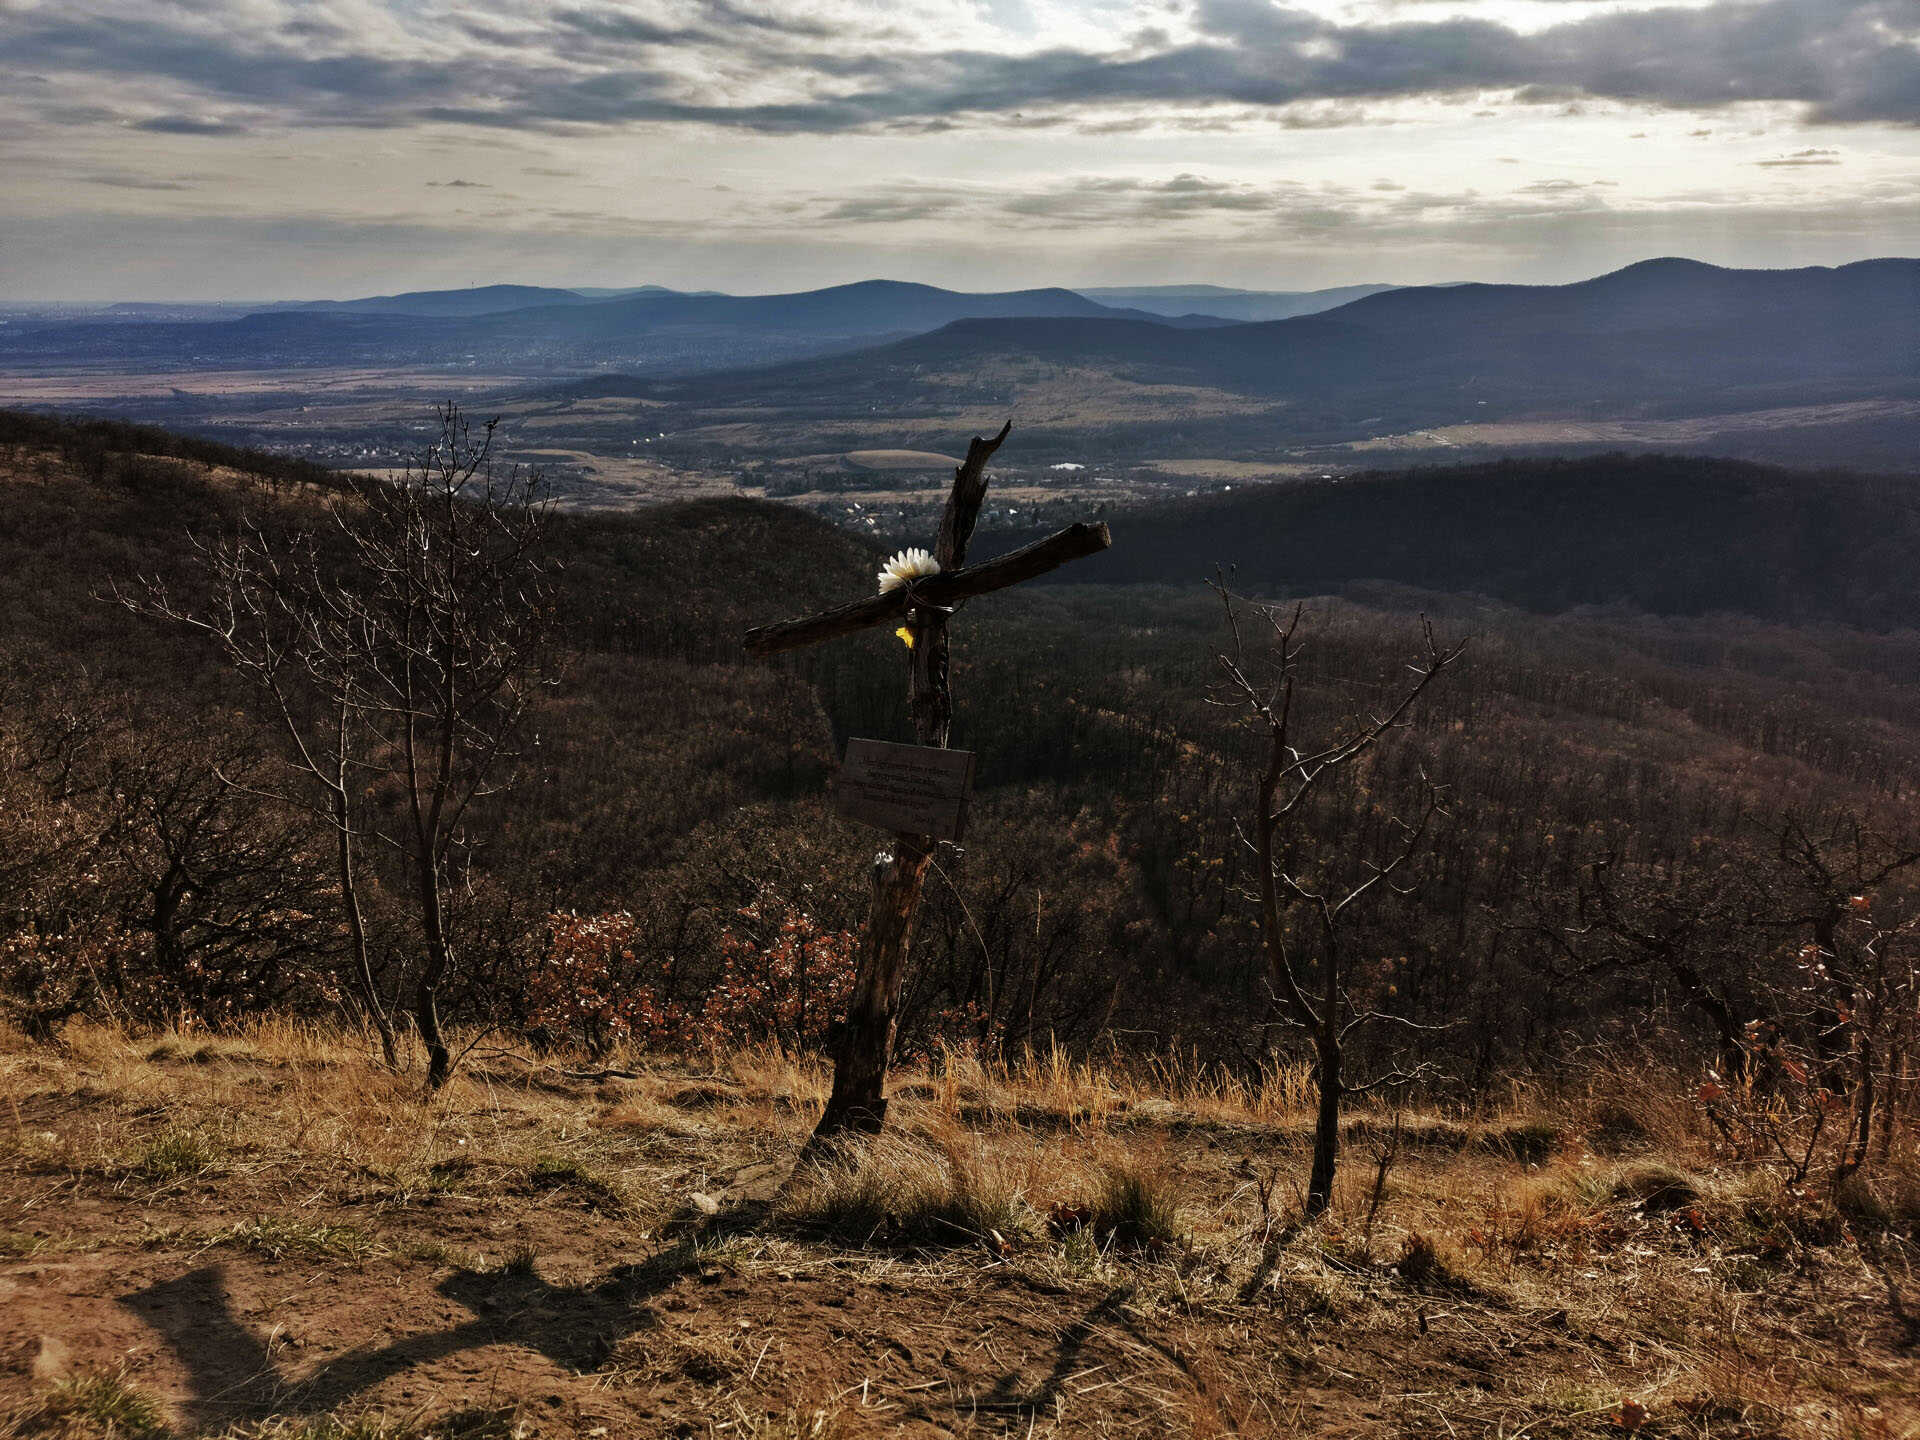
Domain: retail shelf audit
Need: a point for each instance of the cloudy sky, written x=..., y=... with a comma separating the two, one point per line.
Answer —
x=260, y=148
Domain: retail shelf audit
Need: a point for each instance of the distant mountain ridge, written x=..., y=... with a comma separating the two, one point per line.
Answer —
x=557, y=330
x=866, y=307
x=1623, y=334
x=1230, y=304
x=861, y=307
x=1208, y=302
x=1814, y=365
x=477, y=300
x=1661, y=340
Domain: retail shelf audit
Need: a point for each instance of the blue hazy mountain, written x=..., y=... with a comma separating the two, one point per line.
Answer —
x=1227, y=303
x=542, y=329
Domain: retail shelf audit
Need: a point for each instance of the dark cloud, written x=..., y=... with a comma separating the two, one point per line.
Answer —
x=1842, y=61
x=1803, y=157
x=82, y=115
x=190, y=125
x=606, y=23
x=459, y=185
x=1099, y=200
x=890, y=208
x=719, y=20
x=133, y=182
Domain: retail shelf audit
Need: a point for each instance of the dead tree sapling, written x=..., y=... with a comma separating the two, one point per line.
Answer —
x=448, y=618
x=412, y=654
x=281, y=621
x=1307, y=961
x=1690, y=927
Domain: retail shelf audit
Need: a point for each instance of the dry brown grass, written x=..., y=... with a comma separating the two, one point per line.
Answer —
x=267, y=1234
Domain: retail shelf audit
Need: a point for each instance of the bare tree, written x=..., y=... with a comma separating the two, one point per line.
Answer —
x=446, y=622
x=137, y=879
x=283, y=623
x=1880, y=962
x=1857, y=974
x=410, y=656
x=222, y=880
x=1691, y=926
x=1307, y=962
x=1824, y=877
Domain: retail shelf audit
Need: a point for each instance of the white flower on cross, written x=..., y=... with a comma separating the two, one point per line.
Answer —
x=905, y=568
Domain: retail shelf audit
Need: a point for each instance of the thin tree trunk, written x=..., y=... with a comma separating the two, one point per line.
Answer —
x=1828, y=1028
x=350, y=899
x=426, y=1010
x=1856, y=1155
x=357, y=934
x=1897, y=1086
x=1327, y=1047
x=1326, y=1128
x=164, y=921
x=1734, y=1060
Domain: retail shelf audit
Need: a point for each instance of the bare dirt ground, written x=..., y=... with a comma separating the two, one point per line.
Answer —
x=271, y=1237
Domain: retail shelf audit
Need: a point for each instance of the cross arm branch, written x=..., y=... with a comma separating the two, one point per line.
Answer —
x=947, y=588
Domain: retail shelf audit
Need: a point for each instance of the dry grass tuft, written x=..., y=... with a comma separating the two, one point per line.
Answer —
x=798, y=1423
x=279, y=1236
x=1130, y=1200
x=175, y=1154
x=89, y=1407
x=480, y=1424
x=1429, y=1262
x=938, y=1191
x=1654, y=1187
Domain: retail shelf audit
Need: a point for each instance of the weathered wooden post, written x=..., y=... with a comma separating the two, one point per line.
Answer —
x=859, y=1099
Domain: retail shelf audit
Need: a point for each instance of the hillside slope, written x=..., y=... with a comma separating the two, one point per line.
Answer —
x=674, y=780
x=1663, y=534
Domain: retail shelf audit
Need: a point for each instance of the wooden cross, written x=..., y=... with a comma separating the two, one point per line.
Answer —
x=859, y=1100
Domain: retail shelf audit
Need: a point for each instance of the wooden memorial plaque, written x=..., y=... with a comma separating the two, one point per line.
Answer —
x=909, y=789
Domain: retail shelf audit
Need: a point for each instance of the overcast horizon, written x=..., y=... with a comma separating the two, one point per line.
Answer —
x=263, y=149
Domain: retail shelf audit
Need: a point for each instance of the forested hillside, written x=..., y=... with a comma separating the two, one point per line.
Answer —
x=1632, y=1041
x=1101, y=899
x=1661, y=534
